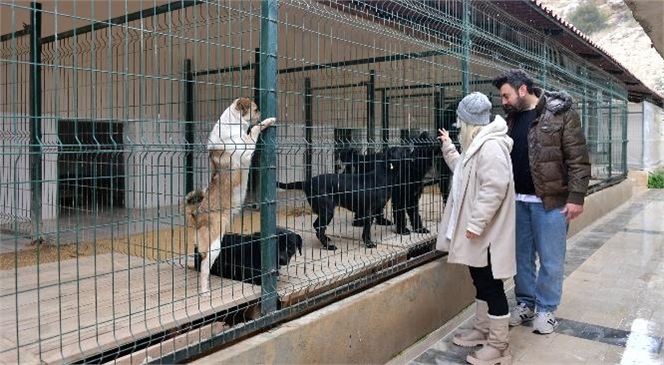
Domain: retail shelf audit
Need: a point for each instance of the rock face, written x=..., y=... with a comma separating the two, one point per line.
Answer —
x=624, y=39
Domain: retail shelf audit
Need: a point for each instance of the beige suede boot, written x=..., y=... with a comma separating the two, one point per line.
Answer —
x=478, y=334
x=496, y=351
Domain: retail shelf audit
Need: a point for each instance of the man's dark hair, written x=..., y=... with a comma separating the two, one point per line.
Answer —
x=515, y=78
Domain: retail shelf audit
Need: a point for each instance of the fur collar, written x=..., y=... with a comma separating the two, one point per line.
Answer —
x=556, y=102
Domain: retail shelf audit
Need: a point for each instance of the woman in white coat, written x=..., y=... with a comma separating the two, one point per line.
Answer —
x=478, y=224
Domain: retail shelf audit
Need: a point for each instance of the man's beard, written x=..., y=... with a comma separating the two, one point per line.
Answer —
x=520, y=106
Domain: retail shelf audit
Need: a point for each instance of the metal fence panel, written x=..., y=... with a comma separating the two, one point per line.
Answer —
x=100, y=150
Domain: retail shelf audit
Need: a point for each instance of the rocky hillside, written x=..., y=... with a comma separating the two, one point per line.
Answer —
x=624, y=39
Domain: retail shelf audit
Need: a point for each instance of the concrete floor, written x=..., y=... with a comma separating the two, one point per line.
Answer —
x=612, y=309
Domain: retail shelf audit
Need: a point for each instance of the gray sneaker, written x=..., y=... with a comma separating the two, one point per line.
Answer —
x=521, y=313
x=544, y=323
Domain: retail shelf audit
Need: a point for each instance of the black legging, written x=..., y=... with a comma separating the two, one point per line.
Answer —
x=489, y=289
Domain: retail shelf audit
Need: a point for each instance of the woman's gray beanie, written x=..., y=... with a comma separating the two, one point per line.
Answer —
x=475, y=109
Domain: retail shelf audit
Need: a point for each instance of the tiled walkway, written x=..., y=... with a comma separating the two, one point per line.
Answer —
x=612, y=310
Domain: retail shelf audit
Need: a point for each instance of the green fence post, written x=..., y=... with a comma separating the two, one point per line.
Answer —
x=385, y=117
x=268, y=172
x=545, y=66
x=35, y=120
x=465, y=48
x=309, y=124
x=624, y=119
x=584, y=102
x=439, y=121
x=371, y=111
x=253, y=185
x=611, y=131
x=189, y=127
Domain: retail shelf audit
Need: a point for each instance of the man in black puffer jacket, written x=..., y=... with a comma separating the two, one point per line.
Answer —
x=551, y=175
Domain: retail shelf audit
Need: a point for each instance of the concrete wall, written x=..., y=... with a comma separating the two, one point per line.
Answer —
x=370, y=327
x=645, y=135
x=602, y=202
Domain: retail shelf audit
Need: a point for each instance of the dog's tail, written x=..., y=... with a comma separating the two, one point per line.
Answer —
x=298, y=244
x=297, y=185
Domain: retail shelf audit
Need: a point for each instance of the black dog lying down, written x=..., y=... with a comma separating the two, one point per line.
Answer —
x=408, y=188
x=240, y=257
x=364, y=194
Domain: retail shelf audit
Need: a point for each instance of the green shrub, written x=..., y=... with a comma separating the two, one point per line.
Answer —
x=659, y=85
x=588, y=18
x=656, y=179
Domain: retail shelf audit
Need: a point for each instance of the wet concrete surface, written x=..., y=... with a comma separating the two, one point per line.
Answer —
x=612, y=310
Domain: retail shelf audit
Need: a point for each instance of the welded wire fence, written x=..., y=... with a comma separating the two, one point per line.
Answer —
x=106, y=113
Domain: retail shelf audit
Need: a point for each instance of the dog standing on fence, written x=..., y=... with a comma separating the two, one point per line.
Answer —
x=230, y=145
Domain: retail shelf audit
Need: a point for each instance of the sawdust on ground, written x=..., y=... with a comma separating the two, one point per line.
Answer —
x=168, y=243
x=165, y=244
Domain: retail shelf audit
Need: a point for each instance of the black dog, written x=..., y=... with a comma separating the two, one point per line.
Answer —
x=408, y=188
x=407, y=192
x=357, y=163
x=364, y=194
x=240, y=257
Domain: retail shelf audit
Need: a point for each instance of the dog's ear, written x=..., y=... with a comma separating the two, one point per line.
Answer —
x=243, y=105
x=347, y=154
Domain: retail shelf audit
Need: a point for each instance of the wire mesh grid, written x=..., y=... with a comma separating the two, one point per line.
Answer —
x=99, y=153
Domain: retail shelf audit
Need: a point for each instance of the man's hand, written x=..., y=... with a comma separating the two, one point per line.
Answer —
x=470, y=235
x=572, y=211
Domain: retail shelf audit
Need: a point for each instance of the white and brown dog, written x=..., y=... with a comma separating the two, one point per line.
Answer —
x=230, y=145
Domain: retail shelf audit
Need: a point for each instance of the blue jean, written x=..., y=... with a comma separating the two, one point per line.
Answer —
x=543, y=234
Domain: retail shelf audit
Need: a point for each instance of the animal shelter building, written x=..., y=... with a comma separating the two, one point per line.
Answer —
x=105, y=114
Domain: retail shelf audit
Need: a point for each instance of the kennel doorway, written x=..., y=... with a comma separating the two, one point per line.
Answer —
x=90, y=165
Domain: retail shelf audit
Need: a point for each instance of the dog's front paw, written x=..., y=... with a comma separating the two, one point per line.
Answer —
x=402, y=231
x=205, y=292
x=370, y=244
x=325, y=241
x=421, y=230
x=382, y=221
x=268, y=122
